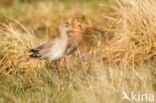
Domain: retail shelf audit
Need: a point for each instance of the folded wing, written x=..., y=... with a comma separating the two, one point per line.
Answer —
x=40, y=51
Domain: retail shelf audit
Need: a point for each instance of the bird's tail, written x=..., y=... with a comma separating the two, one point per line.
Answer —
x=34, y=53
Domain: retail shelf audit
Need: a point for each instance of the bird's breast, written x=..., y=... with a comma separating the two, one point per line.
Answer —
x=58, y=49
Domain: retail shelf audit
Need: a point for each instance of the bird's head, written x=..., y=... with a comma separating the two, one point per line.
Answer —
x=76, y=23
x=65, y=27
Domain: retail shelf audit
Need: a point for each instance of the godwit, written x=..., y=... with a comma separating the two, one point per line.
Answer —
x=76, y=37
x=81, y=34
x=55, y=49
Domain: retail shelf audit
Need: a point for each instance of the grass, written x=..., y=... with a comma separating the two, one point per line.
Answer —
x=48, y=86
x=120, y=59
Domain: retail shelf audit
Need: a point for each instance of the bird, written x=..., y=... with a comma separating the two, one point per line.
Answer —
x=76, y=24
x=76, y=36
x=81, y=34
x=54, y=49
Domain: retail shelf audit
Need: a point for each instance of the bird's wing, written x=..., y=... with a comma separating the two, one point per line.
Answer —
x=43, y=46
x=41, y=50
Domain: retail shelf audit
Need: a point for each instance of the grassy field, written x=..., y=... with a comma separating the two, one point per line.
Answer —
x=120, y=58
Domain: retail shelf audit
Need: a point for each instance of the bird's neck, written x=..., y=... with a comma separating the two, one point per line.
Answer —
x=63, y=35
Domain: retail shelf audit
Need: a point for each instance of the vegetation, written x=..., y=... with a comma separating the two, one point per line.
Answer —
x=120, y=58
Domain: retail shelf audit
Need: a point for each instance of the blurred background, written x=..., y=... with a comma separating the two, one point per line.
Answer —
x=43, y=16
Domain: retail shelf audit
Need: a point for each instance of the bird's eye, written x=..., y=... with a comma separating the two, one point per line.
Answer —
x=67, y=25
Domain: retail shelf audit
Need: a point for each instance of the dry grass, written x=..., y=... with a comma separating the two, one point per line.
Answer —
x=120, y=59
x=134, y=32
